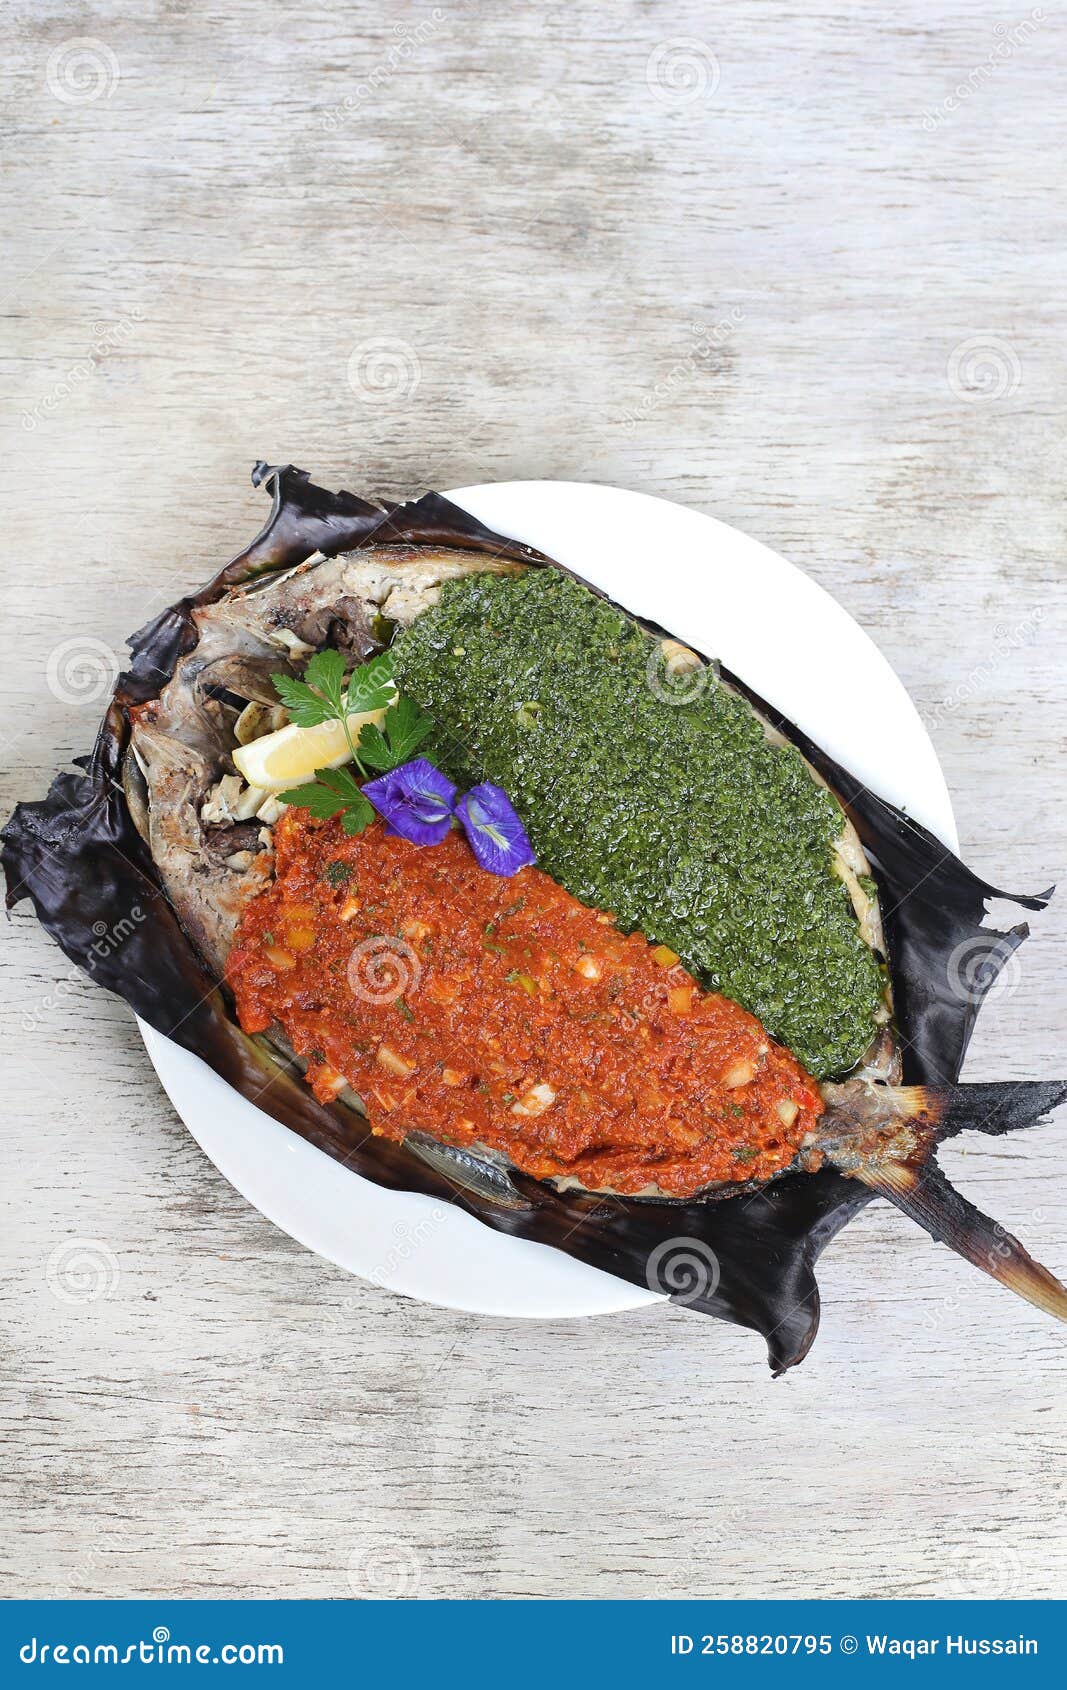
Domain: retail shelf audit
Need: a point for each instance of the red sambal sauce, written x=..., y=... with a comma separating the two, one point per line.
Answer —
x=500, y=1011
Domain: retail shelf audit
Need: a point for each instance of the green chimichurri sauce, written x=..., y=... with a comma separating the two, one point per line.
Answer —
x=679, y=817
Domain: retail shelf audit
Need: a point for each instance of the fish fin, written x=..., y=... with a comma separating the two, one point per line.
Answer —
x=866, y=1121
x=478, y=1175
x=886, y=1137
x=924, y=1193
x=1004, y=1106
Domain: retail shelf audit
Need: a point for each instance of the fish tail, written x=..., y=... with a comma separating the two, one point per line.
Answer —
x=1001, y=1106
x=886, y=1137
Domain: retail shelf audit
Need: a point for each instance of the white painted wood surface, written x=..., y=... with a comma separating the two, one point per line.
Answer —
x=822, y=298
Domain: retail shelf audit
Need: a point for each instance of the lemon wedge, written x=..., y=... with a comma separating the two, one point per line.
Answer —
x=290, y=756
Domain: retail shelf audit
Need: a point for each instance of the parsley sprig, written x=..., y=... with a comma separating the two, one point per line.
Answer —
x=333, y=792
x=323, y=696
x=403, y=730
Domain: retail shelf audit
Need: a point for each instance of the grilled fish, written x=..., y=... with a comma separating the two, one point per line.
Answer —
x=214, y=844
x=163, y=803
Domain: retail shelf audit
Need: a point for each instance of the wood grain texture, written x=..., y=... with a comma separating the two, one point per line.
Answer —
x=821, y=299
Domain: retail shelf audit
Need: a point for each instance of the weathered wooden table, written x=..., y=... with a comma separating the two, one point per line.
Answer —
x=800, y=268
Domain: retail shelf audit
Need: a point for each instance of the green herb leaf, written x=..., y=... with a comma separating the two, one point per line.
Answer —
x=406, y=726
x=342, y=783
x=320, y=800
x=402, y=732
x=373, y=749
x=322, y=695
x=358, y=816
x=333, y=792
x=326, y=675
x=305, y=707
x=370, y=687
x=337, y=872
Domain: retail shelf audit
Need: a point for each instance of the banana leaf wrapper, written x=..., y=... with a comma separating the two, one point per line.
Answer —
x=749, y=1259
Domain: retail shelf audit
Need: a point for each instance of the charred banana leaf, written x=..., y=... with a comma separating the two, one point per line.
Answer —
x=82, y=859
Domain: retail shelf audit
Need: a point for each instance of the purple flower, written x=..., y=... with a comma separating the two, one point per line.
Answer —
x=497, y=836
x=416, y=801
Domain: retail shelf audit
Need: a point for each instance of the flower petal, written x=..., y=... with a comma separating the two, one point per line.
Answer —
x=416, y=800
x=497, y=836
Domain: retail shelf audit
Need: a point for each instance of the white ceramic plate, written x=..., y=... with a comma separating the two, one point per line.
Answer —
x=727, y=595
